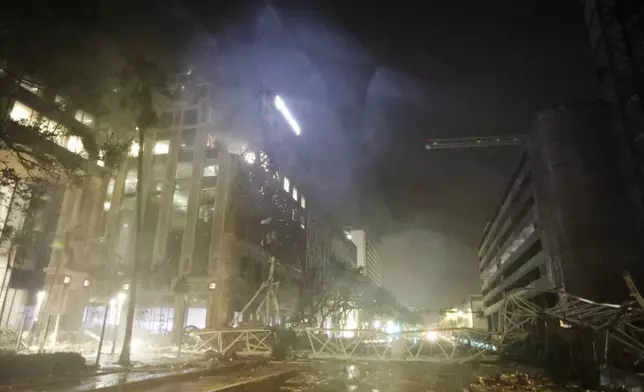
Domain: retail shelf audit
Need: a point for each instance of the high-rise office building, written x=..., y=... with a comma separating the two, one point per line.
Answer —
x=367, y=256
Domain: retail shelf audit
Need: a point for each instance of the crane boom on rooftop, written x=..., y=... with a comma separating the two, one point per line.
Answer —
x=469, y=142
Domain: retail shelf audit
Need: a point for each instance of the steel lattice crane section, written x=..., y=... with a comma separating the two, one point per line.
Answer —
x=470, y=142
x=621, y=323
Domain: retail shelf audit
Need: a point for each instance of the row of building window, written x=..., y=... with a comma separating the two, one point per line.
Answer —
x=80, y=115
x=293, y=191
x=185, y=117
x=23, y=114
x=161, y=147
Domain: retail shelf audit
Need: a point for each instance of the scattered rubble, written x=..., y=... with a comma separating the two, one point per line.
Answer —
x=512, y=382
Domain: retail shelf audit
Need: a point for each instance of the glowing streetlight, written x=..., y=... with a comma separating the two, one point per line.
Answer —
x=432, y=336
x=117, y=302
x=281, y=106
x=40, y=297
x=212, y=286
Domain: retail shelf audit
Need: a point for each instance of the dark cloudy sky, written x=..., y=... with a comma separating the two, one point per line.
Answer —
x=486, y=67
x=482, y=68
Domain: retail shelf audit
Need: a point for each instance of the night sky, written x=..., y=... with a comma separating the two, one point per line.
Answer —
x=485, y=67
x=466, y=68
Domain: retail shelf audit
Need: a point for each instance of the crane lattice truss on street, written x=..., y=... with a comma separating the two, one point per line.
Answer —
x=620, y=323
x=469, y=142
x=269, y=305
x=446, y=344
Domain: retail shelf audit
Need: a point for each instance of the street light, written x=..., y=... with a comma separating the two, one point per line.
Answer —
x=67, y=280
x=117, y=303
x=87, y=283
x=281, y=106
x=212, y=286
x=39, y=299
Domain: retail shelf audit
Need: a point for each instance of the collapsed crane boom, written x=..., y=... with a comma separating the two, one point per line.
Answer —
x=468, y=142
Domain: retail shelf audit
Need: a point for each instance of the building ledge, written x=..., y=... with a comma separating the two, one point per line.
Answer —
x=531, y=264
x=531, y=290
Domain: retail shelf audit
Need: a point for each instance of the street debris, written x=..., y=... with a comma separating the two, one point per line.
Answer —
x=512, y=382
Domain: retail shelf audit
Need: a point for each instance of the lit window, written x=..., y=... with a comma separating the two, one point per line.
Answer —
x=210, y=171
x=22, y=113
x=161, y=147
x=249, y=157
x=295, y=193
x=130, y=182
x=75, y=145
x=100, y=163
x=263, y=158
x=33, y=89
x=303, y=201
x=61, y=102
x=110, y=186
x=287, y=185
x=56, y=130
x=134, y=149
x=84, y=117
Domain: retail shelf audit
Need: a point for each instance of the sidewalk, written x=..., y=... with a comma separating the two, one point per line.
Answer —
x=117, y=380
x=160, y=361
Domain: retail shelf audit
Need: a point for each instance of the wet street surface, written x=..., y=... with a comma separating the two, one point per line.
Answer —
x=325, y=376
x=267, y=377
x=415, y=377
x=338, y=376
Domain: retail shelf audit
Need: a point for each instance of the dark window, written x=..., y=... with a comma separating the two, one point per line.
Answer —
x=258, y=272
x=185, y=156
x=188, y=137
x=165, y=120
x=201, y=92
x=211, y=152
x=243, y=267
x=190, y=117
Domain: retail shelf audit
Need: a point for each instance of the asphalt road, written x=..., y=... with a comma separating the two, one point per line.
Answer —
x=337, y=376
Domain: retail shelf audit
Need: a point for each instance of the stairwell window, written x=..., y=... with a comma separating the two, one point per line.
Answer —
x=295, y=193
x=161, y=147
x=287, y=185
x=303, y=201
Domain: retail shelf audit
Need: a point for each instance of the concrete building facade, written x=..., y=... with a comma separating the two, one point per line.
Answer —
x=216, y=207
x=29, y=217
x=566, y=220
x=367, y=256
